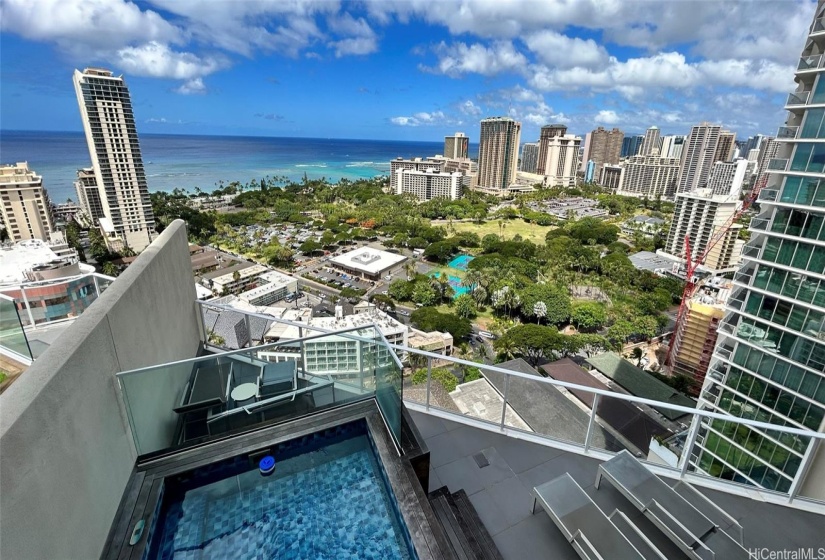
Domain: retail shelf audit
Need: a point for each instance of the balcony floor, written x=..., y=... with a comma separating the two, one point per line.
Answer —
x=500, y=493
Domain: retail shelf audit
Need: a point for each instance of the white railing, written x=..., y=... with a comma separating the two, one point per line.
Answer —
x=508, y=422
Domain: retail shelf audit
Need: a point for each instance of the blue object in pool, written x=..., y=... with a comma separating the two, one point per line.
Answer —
x=267, y=465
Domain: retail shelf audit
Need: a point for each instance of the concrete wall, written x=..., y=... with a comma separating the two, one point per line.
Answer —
x=66, y=451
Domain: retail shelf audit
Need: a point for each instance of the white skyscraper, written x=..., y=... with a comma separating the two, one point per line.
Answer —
x=652, y=141
x=698, y=155
x=456, y=146
x=109, y=123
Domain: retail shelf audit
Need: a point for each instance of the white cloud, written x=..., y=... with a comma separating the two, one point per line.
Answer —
x=470, y=109
x=607, y=117
x=423, y=119
x=192, y=87
x=159, y=61
x=354, y=46
x=85, y=27
x=459, y=58
x=556, y=49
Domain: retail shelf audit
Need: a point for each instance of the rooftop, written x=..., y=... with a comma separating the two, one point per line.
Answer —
x=16, y=259
x=369, y=260
x=646, y=260
x=500, y=493
x=638, y=382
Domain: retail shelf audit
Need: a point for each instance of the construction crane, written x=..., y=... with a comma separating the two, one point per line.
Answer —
x=692, y=284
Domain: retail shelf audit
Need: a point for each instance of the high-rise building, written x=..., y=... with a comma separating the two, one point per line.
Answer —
x=426, y=185
x=498, y=153
x=770, y=357
x=767, y=152
x=604, y=146
x=694, y=340
x=698, y=157
x=652, y=141
x=727, y=143
x=88, y=194
x=548, y=132
x=610, y=176
x=649, y=176
x=700, y=216
x=753, y=143
x=456, y=146
x=631, y=145
x=109, y=123
x=416, y=164
x=529, y=157
x=672, y=146
x=728, y=177
x=561, y=161
x=26, y=210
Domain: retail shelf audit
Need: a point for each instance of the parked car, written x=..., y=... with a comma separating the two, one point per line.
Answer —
x=487, y=334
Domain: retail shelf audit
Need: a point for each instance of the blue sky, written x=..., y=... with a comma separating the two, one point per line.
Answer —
x=407, y=70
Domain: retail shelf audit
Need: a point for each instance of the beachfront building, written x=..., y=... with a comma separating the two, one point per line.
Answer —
x=88, y=194
x=427, y=185
x=367, y=262
x=415, y=164
x=649, y=176
x=457, y=146
x=25, y=210
x=109, y=123
x=498, y=154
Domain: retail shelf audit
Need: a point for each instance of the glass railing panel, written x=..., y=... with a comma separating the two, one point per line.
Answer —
x=388, y=386
x=12, y=336
x=818, y=26
x=809, y=62
x=787, y=132
x=778, y=164
x=768, y=195
x=178, y=405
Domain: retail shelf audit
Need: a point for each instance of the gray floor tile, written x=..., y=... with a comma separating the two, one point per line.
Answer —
x=534, y=537
x=522, y=455
x=513, y=500
x=435, y=481
x=496, y=471
x=461, y=473
x=443, y=449
x=488, y=511
x=428, y=425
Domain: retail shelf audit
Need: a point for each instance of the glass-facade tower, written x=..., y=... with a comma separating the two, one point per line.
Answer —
x=769, y=359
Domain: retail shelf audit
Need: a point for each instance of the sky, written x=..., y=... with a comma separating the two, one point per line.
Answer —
x=406, y=70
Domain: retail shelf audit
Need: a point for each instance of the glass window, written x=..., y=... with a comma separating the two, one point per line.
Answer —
x=813, y=123
x=801, y=156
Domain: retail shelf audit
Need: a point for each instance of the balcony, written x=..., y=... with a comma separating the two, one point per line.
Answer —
x=752, y=248
x=787, y=132
x=807, y=63
x=797, y=99
x=778, y=164
x=768, y=195
x=818, y=26
x=760, y=224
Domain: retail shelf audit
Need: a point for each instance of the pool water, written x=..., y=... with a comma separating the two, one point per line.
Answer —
x=328, y=503
x=460, y=262
x=455, y=284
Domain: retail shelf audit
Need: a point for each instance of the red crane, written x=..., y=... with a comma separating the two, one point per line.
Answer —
x=691, y=283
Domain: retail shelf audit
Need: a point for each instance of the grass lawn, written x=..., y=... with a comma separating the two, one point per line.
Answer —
x=533, y=232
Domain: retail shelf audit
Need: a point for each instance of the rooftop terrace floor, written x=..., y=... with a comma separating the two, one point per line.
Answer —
x=501, y=495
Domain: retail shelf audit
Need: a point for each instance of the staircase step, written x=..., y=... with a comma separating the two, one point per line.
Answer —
x=440, y=499
x=480, y=539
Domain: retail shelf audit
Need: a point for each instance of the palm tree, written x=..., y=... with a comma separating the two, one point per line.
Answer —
x=480, y=295
x=409, y=268
x=472, y=279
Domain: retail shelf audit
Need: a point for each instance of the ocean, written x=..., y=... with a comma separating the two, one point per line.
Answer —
x=178, y=161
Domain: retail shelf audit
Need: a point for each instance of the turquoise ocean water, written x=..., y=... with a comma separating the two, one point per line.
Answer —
x=173, y=161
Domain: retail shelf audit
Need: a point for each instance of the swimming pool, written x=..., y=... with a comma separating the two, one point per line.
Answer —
x=327, y=499
x=460, y=262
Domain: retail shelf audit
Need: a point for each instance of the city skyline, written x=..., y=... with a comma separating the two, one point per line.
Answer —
x=411, y=71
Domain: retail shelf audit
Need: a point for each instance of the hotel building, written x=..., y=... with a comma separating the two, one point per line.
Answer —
x=25, y=211
x=498, y=154
x=109, y=123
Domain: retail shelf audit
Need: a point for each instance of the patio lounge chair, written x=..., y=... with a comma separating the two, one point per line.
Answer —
x=680, y=519
x=593, y=535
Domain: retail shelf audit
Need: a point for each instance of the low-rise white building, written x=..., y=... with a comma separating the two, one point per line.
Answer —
x=367, y=262
x=276, y=286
